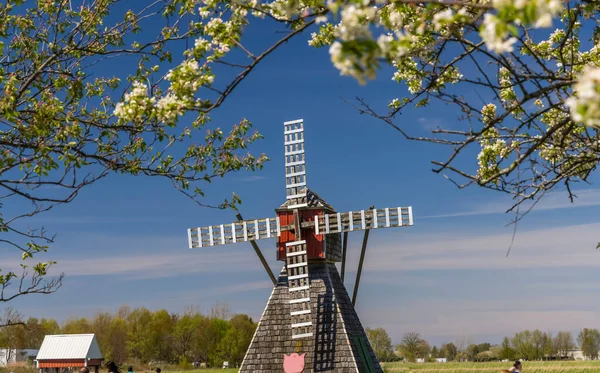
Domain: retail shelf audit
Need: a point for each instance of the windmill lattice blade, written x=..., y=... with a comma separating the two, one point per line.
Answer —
x=295, y=162
x=299, y=289
x=239, y=231
x=364, y=219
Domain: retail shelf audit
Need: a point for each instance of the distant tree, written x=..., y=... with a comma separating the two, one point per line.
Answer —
x=435, y=352
x=9, y=317
x=117, y=337
x=12, y=334
x=480, y=352
x=101, y=327
x=472, y=351
x=123, y=312
x=537, y=340
x=214, y=334
x=183, y=335
x=34, y=333
x=563, y=342
x=77, y=326
x=507, y=352
x=161, y=326
x=483, y=347
x=484, y=356
x=220, y=311
x=549, y=349
x=448, y=351
x=522, y=343
x=139, y=340
x=462, y=343
x=381, y=343
x=461, y=356
x=495, y=352
x=589, y=342
x=238, y=338
x=413, y=346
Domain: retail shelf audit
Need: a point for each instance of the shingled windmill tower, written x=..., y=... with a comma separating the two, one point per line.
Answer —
x=309, y=323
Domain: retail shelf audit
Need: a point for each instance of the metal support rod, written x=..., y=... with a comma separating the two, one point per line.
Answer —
x=344, y=245
x=260, y=256
x=360, y=264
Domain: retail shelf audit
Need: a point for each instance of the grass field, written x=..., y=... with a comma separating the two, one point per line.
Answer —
x=528, y=367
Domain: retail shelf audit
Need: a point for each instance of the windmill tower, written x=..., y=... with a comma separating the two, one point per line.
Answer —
x=309, y=311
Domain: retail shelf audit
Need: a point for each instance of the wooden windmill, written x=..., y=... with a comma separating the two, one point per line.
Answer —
x=309, y=309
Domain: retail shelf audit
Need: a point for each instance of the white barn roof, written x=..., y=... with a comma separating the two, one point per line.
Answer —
x=69, y=346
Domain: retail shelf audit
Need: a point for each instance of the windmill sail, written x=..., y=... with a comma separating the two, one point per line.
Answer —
x=363, y=219
x=299, y=289
x=295, y=162
x=240, y=231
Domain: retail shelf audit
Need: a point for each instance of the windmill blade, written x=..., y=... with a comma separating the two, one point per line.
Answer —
x=240, y=231
x=364, y=219
x=295, y=166
x=299, y=289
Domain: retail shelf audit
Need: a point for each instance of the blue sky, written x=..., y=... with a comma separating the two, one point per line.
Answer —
x=123, y=240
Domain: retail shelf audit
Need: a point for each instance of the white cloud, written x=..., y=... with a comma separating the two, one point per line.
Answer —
x=218, y=291
x=569, y=246
x=159, y=257
x=552, y=201
x=252, y=178
x=44, y=219
x=449, y=323
x=172, y=261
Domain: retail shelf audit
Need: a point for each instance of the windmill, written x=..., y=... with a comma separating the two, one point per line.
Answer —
x=309, y=308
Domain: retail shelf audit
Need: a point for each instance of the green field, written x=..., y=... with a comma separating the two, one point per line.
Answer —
x=528, y=367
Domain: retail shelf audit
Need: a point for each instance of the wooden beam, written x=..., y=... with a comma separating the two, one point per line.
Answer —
x=260, y=256
x=297, y=226
x=360, y=264
x=344, y=246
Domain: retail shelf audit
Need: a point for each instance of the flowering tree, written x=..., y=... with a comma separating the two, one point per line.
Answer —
x=90, y=88
x=67, y=120
x=532, y=105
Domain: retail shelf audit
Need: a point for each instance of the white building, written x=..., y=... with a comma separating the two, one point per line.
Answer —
x=578, y=355
x=11, y=356
x=69, y=351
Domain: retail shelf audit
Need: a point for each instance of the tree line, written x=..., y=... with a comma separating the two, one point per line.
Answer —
x=142, y=336
x=526, y=345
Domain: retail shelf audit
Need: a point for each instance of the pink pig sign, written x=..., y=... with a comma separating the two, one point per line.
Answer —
x=293, y=363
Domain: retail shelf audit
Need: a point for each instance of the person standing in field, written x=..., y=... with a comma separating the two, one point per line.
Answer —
x=112, y=367
x=130, y=370
x=516, y=368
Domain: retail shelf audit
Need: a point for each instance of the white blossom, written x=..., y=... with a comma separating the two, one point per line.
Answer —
x=585, y=102
x=354, y=23
x=384, y=43
x=320, y=19
x=394, y=104
x=440, y=18
x=545, y=10
x=494, y=36
x=135, y=105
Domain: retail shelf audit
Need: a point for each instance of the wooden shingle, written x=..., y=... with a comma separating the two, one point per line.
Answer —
x=335, y=346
